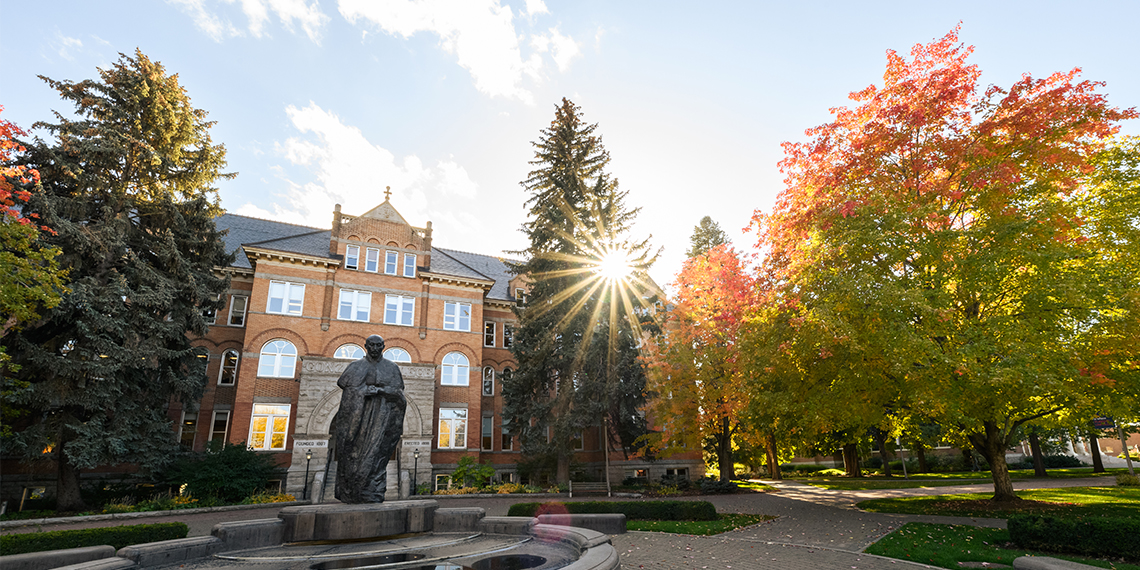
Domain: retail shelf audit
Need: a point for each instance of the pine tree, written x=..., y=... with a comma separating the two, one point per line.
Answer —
x=577, y=340
x=128, y=191
x=706, y=235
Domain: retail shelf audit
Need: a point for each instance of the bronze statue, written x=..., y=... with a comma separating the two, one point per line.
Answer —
x=368, y=424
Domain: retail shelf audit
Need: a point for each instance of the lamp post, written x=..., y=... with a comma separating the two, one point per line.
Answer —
x=308, y=458
x=415, y=470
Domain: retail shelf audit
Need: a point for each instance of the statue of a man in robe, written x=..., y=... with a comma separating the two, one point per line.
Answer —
x=368, y=425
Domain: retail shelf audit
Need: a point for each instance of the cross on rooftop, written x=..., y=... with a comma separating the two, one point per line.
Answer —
x=387, y=193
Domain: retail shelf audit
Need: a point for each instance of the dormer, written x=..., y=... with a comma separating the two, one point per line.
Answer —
x=384, y=228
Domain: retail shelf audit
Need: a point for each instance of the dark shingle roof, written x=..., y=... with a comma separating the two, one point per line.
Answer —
x=280, y=236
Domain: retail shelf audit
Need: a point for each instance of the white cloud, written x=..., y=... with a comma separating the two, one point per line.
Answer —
x=289, y=12
x=563, y=48
x=535, y=7
x=481, y=33
x=351, y=171
x=66, y=46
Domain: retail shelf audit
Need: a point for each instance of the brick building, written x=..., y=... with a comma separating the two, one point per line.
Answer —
x=301, y=302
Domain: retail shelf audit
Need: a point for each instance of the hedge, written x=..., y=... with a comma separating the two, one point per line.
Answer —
x=1094, y=536
x=116, y=536
x=633, y=510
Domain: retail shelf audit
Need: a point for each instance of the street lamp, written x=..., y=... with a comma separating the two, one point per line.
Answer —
x=308, y=458
x=415, y=470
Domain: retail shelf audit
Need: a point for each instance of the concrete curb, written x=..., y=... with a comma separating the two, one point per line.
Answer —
x=142, y=515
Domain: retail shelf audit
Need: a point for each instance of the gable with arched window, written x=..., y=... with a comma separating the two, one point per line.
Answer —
x=278, y=359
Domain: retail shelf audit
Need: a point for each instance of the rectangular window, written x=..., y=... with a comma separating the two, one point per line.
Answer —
x=391, y=259
x=520, y=296
x=228, y=373
x=409, y=265
x=488, y=429
x=285, y=298
x=399, y=310
x=442, y=482
x=352, y=257
x=456, y=316
x=220, y=426
x=269, y=426
x=508, y=335
x=578, y=442
x=488, y=334
x=238, y=304
x=452, y=428
x=508, y=439
x=354, y=305
x=210, y=314
x=188, y=429
x=372, y=260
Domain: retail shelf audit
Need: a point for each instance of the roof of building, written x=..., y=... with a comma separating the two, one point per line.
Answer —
x=293, y=238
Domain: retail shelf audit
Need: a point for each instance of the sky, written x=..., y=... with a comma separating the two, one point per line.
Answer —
x=326, y=102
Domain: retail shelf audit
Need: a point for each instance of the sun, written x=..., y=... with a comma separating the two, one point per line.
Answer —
x=614, y=265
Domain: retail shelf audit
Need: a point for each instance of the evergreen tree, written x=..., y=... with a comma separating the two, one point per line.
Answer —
x=127, y=189
x=577, y=340
x=706, y=235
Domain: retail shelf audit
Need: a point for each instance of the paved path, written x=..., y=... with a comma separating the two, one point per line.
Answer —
x=815, y=528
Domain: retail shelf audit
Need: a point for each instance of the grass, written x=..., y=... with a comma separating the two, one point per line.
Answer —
x=946, y=545
x=754, y=486
x=724, y=523
x=920, y=480
x=1065, y=502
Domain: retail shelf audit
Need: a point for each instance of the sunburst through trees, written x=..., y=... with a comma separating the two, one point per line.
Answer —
x=579, y=333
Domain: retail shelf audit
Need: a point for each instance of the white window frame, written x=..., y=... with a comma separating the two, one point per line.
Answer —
x=240, y=314
x=214, y=433
x=409, y=265
x=454, y=318
x=456, y=419
x=282, y=364
x=487, y=433
x=506, y=439
x=359, y=305
x=490, y=328
x=520, y=295
x=352, y=257
x=271, y=413
x=210, y=315
x=192, y=415
x=455, y=370
x=399, y=310
x=488, y=381
x=372, y=260
x=508, y=335
x=222, y=368
x=342, y=352
x=397, y=352
x=391, y=262
x=292, y=298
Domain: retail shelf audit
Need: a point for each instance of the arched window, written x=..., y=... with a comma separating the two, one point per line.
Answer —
x=455, y=370
x=228, y=375
x=488, y=381
x=397, y=355
x=278, y=359
x=349, y=352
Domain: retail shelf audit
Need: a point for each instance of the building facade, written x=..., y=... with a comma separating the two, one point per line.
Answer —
x=301, y=303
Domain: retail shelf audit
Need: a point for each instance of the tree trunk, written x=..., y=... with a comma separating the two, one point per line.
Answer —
x=1038, y=457
x=773, y=458
x=851, y=460
x=992, y=444
x=67, y=496
x=562, y=472
x=920, y=451
x=1094, y=449
x=724, y=451
x=881, y=441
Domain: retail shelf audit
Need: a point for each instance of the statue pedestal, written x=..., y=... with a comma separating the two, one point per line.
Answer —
x=351, y=522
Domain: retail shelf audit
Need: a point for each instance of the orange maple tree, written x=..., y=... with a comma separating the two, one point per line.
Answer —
x=934, y=232
x=695, y=365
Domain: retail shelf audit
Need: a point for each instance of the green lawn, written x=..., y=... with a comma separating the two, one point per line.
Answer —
x=946, y=545
x=1066, y=502
x=724, y=523
x=943, y=479
x=754, y=486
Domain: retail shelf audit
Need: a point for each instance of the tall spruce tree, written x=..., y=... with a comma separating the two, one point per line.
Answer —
x=706, y=235
x=128, y=190
x=577, y=340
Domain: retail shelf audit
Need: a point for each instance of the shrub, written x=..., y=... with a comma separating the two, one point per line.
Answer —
x=1126, y=480
x=230, y=472
x=263, y=498
x=471, y=472
x=1060, y=462
x=1099, y=536
x=633, y=510
x=711, y=486
x=458, y=491
x=507, y=488
x=116, y=536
